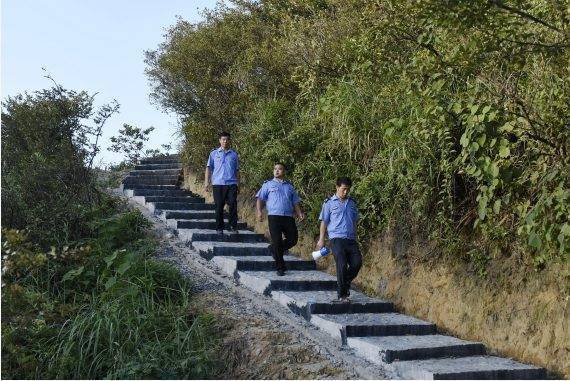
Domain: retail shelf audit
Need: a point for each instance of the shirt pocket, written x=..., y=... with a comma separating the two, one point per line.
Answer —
x=336, y=211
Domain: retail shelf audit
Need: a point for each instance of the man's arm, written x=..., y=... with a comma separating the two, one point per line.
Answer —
x=207, y=179
x=259, y=207
x=323, y=231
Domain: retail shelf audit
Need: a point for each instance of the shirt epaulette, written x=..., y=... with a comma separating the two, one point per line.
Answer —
x=265, y=181
x=326, y=200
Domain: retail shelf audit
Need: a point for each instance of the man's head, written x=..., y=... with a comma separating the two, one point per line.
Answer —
x=279, y=170
x=225, y=140
x=343, y=185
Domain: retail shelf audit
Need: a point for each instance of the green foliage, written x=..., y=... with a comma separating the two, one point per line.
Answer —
x=100, y=308
x=130, y=142
x=452, y=117
x=48, y=146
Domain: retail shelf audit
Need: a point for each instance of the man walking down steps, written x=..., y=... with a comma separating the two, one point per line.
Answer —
x=282, y=203
x=223, y=170
x=339, y=216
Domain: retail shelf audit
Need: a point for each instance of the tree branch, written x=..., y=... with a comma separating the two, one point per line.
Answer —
x=523, y=14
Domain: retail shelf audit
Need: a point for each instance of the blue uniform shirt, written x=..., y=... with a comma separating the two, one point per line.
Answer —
x=280, y=197
x=224, y=166
x=340, y=217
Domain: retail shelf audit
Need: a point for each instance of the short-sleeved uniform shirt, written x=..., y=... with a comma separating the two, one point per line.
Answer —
x=280, y=197
x=340, y=217
x=224, y=166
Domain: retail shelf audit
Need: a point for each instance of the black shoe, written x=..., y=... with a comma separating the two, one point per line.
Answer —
x=219, y=231
x=341, y=300
x=281, y=272
x=233, y=231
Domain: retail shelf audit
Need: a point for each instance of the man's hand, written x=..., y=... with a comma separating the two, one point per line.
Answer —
x=301, y=216
x=259, y=215
x=320, y=243
x=207, y=188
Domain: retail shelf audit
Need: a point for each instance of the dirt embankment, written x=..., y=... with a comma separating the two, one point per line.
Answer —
x=524, y=315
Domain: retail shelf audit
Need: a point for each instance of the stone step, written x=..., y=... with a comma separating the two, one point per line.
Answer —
x=142, y=167
x=265, y=282
x=162, y=160
x=156, y=172
x=162, y=192
x=307, y=303
x=151, y=187
x=387, y=349
x=183, y=205
x=189, y=214
x=188, y=198
x=142, y=182
x=230, y=265
x=210, y=249
x=343, y=326
x=463, y=368
x=195, y=235
x=156, y=178
x=200, y=224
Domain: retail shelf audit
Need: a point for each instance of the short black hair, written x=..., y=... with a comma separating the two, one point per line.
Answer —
x=281, y=164
x=344, y=180
x=224, y=133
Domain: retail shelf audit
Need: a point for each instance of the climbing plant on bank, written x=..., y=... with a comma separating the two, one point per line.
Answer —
x=452, y=117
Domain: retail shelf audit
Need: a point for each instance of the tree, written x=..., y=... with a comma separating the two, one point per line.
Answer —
x=48, y=145
x=130, y=142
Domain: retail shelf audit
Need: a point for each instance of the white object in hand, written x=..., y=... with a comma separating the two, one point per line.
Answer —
x=323, y=252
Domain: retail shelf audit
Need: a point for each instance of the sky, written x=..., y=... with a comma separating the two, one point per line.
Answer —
x=96, y=46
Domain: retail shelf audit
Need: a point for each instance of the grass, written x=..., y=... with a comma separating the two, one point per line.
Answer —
x=101, y=308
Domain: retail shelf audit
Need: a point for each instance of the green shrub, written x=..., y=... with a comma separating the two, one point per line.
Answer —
x=452, y=117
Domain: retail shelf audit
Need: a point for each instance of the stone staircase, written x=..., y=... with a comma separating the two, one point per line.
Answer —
x=410, y=347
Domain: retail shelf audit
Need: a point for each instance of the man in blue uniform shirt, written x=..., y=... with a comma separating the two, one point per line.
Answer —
x=339, y=216
x=223, y=170
x=282, y=202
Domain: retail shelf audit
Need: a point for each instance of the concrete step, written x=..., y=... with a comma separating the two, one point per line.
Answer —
x=150, y=187
x=162, y=192
x=187, y=198
x=307, y=303
x=201, y=224
x=142, y=167
x=210, y=249
x=343, y=326
x=387, y=349
x=142, y=182
x=159, y=208
x=156, y=178
x=265, y=282
x=156, y=172
x=230, y=265
x=463, y=368
x=161, y=160
x=183, y=205
x=195, y=235
x=189, y=214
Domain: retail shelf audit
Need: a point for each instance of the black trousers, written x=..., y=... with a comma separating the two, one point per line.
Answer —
x=280, y=226
x=225, y=194
x=348, y=262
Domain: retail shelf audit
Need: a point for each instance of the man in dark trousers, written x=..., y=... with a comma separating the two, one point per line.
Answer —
x=223, y=170
x=339, y=216
x=282, y=202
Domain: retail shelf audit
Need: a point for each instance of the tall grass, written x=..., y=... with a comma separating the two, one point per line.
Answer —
x=110, y=311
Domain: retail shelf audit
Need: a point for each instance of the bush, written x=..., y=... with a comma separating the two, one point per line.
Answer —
x=100, y=308
x=452, y=117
